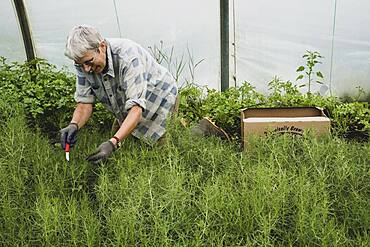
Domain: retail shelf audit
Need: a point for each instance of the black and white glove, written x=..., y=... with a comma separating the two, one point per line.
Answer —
x=102, y=152
x=68, y=135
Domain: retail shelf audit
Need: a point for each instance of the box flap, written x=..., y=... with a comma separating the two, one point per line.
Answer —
x=282, y=112
x=285, y=120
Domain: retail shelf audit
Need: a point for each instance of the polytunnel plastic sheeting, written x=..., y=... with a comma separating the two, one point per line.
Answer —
x=272, y=36
x=190, y=28
x=351, y=58
x=11, y=43
x=51, y=21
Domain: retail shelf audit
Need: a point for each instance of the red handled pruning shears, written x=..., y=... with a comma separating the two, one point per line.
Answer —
x=67, y=151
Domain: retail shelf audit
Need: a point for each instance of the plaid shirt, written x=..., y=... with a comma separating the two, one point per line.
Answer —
x=133, y=78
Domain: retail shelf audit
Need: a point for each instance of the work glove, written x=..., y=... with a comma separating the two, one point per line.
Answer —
x=68, y=135
x=102, y=152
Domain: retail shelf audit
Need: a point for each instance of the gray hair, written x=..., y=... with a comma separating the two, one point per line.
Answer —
x=81, y=39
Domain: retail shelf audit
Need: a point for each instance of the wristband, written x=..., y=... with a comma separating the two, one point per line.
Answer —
x=118, y=141
x=75, y=124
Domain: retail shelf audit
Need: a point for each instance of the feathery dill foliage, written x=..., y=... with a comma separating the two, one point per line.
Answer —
x=191, y=192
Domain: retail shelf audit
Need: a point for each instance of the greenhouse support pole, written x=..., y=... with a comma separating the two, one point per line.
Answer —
x=224, y=27
x=25, y=29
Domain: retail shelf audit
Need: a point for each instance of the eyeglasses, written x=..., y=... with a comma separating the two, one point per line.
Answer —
x=87, y=62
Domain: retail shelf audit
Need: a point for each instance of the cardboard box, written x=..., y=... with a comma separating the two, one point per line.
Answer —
x=293, y=120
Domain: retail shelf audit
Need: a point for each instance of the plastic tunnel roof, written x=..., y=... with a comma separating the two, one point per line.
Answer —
x=11, y=43
x=272, y=36
x=149, y=23
x=263, y=38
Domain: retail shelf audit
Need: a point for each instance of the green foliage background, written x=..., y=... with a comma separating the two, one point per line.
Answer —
x=190, y=192
x=224, y=107
x=46, y=94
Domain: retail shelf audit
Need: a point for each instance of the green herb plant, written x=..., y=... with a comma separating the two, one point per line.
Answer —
x=190, y=192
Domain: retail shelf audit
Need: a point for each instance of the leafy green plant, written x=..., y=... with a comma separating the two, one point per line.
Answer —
x=224, y=107
x=101, y=119
x=283, y=93
x=354, y=116
x=312, y=59
x=46, y=93
x=191, y=101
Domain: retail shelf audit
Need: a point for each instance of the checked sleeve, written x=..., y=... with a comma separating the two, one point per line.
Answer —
x=83, y=93
x=136, y=82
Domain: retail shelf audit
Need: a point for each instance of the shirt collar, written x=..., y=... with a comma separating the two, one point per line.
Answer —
x=110, y=61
